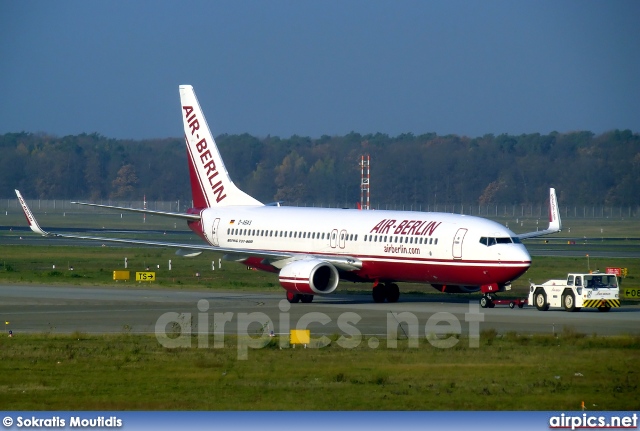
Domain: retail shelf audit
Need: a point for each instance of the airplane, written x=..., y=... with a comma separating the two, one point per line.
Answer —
x=313, y=249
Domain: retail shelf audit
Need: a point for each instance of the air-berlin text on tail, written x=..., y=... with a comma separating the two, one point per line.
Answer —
x=25, y=210
x=406, y=227
x=206, y=158
x=553, y=210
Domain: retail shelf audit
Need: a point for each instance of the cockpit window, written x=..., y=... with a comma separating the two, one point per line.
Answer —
x=489, y=241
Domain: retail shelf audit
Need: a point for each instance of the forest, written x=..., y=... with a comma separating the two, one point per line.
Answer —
x=585, y=169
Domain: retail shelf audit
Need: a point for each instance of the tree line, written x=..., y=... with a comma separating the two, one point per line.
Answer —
x=585, y=169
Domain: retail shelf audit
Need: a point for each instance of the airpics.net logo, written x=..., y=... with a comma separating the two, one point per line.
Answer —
x=591, y=421
x=256, y=330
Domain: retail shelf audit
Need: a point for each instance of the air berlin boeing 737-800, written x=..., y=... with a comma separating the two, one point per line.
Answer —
x=312, y=249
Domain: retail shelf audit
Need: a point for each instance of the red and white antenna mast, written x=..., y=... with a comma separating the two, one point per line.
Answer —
x=365, y=177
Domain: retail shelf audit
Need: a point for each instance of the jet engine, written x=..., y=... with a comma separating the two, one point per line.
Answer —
x=309, y=276
x=455, y=289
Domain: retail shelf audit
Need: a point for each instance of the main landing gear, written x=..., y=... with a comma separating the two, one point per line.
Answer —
x=294, y=298
x=388, y=291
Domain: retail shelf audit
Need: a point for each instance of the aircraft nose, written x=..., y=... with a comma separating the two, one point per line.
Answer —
x=524, y=255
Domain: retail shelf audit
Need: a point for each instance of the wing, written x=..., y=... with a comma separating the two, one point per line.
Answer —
x=140, y=210
x=276, y=259
x=555, y=224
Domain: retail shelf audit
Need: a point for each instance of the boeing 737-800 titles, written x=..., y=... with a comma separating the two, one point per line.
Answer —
x=312, y=249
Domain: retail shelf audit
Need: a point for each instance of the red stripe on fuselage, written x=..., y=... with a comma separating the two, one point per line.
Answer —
x=458, y=272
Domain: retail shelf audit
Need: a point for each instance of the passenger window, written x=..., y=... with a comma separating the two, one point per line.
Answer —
x=436, y=241
x=356, y=238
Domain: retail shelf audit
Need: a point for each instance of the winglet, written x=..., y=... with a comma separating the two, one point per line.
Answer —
x=555, y=223
x=33, y=223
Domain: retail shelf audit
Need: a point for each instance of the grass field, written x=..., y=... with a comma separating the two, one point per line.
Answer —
x=132, y=372
x=95, y=266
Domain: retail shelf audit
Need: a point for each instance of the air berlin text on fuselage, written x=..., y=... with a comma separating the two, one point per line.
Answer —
x=206, y=158
x=406, y=227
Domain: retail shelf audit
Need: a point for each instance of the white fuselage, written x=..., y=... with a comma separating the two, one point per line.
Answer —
x=436, y=248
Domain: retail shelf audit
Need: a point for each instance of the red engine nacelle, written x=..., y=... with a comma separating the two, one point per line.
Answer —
x=309, y=276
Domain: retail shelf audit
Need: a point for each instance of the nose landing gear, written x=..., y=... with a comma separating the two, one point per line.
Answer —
x=486, y=301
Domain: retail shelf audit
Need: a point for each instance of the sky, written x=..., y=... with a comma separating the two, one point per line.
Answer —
x=313, y=68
